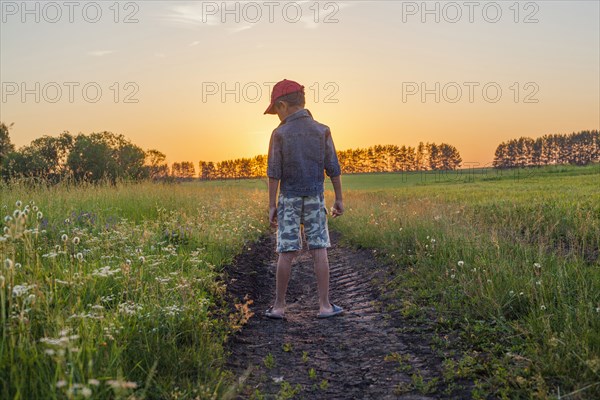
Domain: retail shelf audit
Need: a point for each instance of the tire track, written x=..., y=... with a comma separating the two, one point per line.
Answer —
x=339, y=358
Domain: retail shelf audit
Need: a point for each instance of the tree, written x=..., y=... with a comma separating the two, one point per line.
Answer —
x=156, y=165
x=6, y=146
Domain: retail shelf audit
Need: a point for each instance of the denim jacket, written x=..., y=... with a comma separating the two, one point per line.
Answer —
x=300, y=151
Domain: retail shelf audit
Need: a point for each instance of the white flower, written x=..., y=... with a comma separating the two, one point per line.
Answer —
x=17, y=214
x=8, y=263
x=61, y=383
x=6, y=230
x=512, y=293
x=80, y=256
x=76, y=240
x=35, y=208
x=538, y=283
x=8, y=218
x=19, y=203
x=64, y=237
x=543, y=307
x=142, y=259
x=40, y=215
x=128, y=262
x=452, y=276
x=537, y=266
x=94, y=382
x=461, y=263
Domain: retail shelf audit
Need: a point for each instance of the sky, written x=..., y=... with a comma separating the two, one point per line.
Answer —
x=192, y=79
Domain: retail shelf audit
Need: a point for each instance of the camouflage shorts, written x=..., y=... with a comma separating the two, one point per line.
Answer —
x=308, y=211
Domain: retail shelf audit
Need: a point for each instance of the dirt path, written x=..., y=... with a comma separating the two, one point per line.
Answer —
x=346, y=357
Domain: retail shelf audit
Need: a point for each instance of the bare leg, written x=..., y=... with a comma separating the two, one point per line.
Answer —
x=321, y=264
x=284, y=268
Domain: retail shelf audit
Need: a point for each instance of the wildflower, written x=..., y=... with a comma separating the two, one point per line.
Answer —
x=8, y=263
x=17, y=214
x=67, y=220
x=35, y=208
x=121, y=384
x=452, y=276
x=432, y=240
x=537, y=265
x=538, y=283
x=6, y=230
x=80, y=256
x=19, y=203
x=521, y=293
x=94, y=382
x=40, y=215
x=64, y=237
x=461, y=263
x=598, y=309
x=142, y=259
x=8, y=218
x=128, y=262
x=512, y=293
x=489, y=281
x=543, y=307
x=474, y=269
x=86, y=391
x=61, y=383
x=75, y=240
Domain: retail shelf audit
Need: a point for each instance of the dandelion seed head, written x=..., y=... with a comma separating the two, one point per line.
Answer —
x=64, y=237
x=19, y=203
x=17, y=214
x=40, y=215
x=35, y=208
x=75, y=240
x=8, y=263
x=80, y=256
x=461, y=263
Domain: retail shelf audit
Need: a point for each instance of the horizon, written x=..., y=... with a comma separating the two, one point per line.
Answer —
x=204, y=73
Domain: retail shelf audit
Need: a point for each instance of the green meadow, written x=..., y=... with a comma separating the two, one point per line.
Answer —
x=118, y=291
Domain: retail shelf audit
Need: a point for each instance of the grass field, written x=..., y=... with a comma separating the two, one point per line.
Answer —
x=109, y=291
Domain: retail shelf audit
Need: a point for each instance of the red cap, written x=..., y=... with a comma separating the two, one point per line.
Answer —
x=281, y=89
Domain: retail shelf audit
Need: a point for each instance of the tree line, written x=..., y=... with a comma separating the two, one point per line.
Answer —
x=577, y=148
x=109, y=156
x=90, y=158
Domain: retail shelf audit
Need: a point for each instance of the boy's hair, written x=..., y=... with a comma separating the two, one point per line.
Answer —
x=293, y=99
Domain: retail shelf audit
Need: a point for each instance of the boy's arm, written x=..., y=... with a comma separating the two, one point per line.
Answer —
x=273, y=186
x=338, y=205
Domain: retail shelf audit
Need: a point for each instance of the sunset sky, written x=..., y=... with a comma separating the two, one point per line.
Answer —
x=359, y=69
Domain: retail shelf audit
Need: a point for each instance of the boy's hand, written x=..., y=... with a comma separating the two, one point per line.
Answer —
x=337, y=209
x=273, y=216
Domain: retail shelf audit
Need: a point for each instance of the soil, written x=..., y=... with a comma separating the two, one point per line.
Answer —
x=371, y=351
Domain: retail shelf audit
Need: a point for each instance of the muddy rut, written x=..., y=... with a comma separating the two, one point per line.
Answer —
x=370, y=352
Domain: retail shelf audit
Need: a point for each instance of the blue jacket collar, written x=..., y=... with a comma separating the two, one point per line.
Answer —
x=298, y=114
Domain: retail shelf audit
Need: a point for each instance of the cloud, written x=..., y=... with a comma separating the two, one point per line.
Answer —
x=99, y=53
x=195, y=43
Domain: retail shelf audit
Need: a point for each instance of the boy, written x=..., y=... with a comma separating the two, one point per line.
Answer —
x=300, y=150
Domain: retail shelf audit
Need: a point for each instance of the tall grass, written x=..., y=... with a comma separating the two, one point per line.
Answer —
x=512, y=263
x=112, y=291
